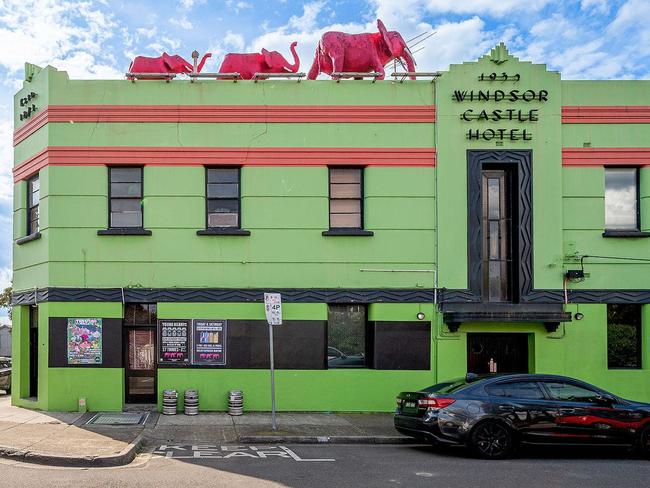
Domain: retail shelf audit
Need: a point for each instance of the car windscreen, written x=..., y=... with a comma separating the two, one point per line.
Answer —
x=447, y=386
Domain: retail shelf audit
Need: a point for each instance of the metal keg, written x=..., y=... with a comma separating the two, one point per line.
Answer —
x=235, y=402
x=191, y=402
x=170, y=402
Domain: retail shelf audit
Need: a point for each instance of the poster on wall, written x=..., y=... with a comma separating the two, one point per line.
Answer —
x=173, y=340
x=85, y=341
x=209, y=342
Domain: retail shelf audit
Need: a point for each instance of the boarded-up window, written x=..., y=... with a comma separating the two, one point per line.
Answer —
x=222, y=198
x=346, y=197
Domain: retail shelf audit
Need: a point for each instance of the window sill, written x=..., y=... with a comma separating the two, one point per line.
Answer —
x=30, y=237
x=625, y=233
x=223, y=231
x=124, y=231
x=349, y=232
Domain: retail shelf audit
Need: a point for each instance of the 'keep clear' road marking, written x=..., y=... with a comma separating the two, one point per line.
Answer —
x=214, y=451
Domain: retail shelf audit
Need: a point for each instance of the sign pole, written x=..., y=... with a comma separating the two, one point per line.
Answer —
x=273, y=311
x=273, y=425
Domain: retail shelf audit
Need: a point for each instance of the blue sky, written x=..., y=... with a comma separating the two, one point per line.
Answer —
x=583, y=39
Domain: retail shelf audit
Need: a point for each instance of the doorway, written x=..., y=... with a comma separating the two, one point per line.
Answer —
x=33, y=352
x=140, y=364
x=497, y=353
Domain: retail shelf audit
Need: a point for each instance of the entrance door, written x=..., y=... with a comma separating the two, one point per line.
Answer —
x=497, y=353
x=140, y=367
x=33, y=352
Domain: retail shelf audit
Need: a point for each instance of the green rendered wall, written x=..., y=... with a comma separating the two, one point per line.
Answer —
x=296, y=390
x=286, y=209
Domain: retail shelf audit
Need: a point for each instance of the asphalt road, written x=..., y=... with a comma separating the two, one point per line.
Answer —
x=325, y=466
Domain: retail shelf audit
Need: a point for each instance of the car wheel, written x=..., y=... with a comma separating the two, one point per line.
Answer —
x=644, y=442
x=491, y=440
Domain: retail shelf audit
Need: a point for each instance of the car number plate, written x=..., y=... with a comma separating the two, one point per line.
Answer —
x=409, y=405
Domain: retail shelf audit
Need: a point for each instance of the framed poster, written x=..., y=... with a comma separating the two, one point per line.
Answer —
x=85, y=341
x=173, y=340
x=209, y=342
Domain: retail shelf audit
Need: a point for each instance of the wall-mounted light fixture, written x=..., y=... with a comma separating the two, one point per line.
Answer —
x=420, y=315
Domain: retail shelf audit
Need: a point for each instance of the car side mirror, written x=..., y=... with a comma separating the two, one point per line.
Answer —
x=605, y=399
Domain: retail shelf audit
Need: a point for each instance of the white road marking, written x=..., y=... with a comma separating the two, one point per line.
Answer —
x=215, y=451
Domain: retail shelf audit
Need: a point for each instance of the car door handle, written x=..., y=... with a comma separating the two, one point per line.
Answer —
x=567, y=411
x=506, y=408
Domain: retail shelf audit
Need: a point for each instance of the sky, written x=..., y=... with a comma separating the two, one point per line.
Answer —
x=583, y=39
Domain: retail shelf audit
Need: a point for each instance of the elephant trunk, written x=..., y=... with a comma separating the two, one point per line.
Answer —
x=203, y=60
x=410, y=62
x=296, y=61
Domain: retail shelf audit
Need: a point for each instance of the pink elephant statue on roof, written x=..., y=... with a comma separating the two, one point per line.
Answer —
x=165, y=63
x=338, y=52
x=247, y=64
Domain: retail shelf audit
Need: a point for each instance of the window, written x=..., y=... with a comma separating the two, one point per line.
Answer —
x=140, y=314
x=125, y=197
x=346, y=197
x=521, y=389
x=33, y=198
x=623, y=336
x=222, y=198
x=346, y=336
x=570, y=392
x=621, y=199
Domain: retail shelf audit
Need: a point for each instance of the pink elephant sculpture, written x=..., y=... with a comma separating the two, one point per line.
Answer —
x=164, y=64
x=338, y=52
x=247, y=64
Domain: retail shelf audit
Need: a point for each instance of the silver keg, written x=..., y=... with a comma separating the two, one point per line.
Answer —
x=235, y=402
x=170, y=402
x=191, y=402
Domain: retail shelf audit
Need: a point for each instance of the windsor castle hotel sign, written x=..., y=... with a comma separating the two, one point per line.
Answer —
x=509, y=114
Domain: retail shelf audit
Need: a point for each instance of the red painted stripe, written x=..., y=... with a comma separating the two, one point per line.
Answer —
x=598, y=156
x=199, y=156
x=228, y=114
x=603, y=114
x=31, y=126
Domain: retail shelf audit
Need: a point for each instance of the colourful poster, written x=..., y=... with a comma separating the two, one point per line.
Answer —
x=84, y=341
x=209, y=342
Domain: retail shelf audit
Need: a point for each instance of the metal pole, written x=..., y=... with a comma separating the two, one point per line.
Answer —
x=273, y=426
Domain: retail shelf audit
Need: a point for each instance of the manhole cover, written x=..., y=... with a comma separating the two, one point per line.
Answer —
x=134, y=418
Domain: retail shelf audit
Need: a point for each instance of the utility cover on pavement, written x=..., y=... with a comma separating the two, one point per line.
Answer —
x=126, y=418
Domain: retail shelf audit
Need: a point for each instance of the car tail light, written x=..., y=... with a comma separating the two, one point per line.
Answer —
x=435, y=402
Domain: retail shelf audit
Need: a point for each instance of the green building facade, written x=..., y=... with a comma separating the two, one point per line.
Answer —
x=495, y=219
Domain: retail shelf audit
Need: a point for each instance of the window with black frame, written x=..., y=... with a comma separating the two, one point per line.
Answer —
x=140, y=314
x=346, y=336
x=125, y=197
x=33, y=199
x=621, y=199
x=624, y=336
x=222, y=198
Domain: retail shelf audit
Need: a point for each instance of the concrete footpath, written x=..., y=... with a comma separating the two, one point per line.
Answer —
x=72, y=439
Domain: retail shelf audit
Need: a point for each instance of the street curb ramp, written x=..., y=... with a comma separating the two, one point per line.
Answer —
x=124, y=457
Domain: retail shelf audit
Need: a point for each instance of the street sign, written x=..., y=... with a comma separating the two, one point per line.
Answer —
x=273, y=308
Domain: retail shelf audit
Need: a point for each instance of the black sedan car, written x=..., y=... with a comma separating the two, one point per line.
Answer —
x=492, y=414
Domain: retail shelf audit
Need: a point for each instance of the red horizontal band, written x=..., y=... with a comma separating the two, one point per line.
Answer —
x=598, y=156
x=199, y=156
x=613, y=114
x=228, y=114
